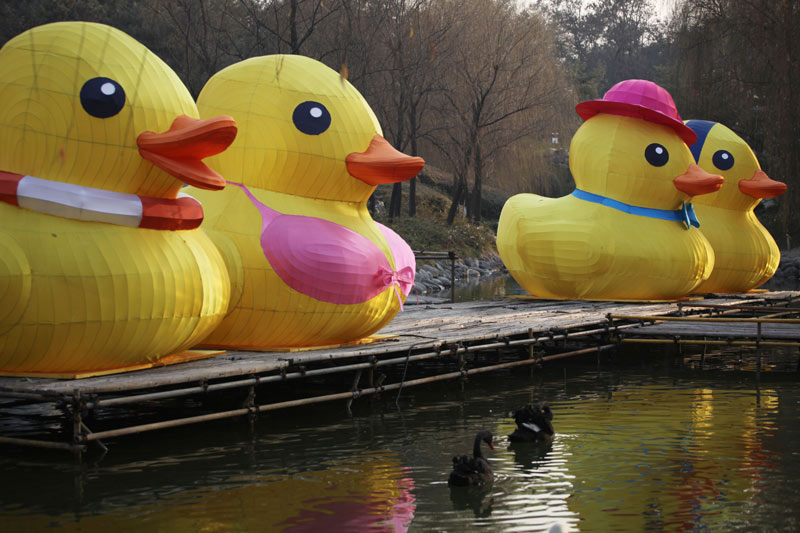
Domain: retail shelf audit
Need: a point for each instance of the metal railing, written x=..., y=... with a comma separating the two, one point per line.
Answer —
x=420, y=255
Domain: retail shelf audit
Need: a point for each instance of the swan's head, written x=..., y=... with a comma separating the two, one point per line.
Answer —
x=485, y=436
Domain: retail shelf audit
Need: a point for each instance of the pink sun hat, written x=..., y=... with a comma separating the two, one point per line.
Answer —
x=640, y=99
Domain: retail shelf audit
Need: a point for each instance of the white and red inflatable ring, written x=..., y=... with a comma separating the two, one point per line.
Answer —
x=98, y=205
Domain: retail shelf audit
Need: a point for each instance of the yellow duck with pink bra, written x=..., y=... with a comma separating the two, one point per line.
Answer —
x=308, y=265
x=628, y=231
x=102, y=265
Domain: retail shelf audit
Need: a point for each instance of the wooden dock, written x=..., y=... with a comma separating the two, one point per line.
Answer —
x=423, y=344
x=735, y=331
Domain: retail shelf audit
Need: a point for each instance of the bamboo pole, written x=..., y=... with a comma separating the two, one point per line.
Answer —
x=329, y=397
x=711, y=342
x=744, y=307
x=188, y=391
x=705, y=319
x=43, y=444
x=452, y=277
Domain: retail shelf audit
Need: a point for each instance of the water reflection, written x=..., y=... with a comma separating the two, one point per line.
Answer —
x=365, y=493
x=369, y=497
x=494, y=287
x=502, y=285
x=542, y=487
x=631, y=453
x=478, y=499
x=655, y=457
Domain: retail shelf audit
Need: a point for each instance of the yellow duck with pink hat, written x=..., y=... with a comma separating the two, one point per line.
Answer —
x=746, y=254
x=628, y=231
x=102, y=265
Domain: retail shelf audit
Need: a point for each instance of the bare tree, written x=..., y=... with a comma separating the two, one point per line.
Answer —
x=196, y=39
x=402, y=89
x=606, y=41
x=502, y=71
x=737, y=62
x=469, y=77
x=288, y=24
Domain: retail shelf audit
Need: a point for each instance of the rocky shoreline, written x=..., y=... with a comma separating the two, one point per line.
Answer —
x=434, y=276
x=787, y=277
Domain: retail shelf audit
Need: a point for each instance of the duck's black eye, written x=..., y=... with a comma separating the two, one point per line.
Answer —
x=722, y=159
x=656, y=155
x=102, y=97
x=311, y=118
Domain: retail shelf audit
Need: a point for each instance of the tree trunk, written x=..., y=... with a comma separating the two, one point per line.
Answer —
x=396, y=202
x=412, y=185
x=475, y=198
x=787, y=110
x=458, y=192
x=412, y=197
x=294, y=42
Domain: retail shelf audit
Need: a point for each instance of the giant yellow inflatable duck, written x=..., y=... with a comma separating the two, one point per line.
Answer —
x=101, y=269
x=746, y=254
x=627, y=231
x=308, y=265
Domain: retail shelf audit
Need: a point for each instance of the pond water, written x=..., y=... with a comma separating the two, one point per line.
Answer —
x=493, y=287
x=499, y=286
x=641, y=444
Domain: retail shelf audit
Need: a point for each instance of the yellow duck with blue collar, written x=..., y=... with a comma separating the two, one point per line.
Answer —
x=308, y=265
x=628, y=231
x=102, y=266
x=746, y=254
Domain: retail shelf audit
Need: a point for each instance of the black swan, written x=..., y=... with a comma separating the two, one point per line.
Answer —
x=533, y=424
x=473, y=470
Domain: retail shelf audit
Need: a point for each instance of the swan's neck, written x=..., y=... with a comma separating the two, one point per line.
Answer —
x=476, y=450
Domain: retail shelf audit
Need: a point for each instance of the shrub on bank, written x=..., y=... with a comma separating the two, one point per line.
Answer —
x=466, y=239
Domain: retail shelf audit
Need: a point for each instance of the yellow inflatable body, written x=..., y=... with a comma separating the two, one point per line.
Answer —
x=626, y=232
x=746, y=254
x=101, y=269
x=308, y=265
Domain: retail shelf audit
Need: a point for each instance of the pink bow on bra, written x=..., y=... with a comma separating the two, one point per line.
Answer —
x=329, y=262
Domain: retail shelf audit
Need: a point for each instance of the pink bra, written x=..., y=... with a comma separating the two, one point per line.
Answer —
x=329, y=262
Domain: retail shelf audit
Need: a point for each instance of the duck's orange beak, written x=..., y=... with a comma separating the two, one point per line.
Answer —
x=762, y=186
x=696, y=181
x=179, y=151
x=381, y=163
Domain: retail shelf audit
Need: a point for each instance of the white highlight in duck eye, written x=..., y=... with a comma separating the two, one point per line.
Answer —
x=108, y=89
x=724, y=156
x=659, y=150
x=315, y=112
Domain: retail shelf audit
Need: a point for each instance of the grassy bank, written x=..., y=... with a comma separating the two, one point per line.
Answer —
x=428, y=230
x=465, y=238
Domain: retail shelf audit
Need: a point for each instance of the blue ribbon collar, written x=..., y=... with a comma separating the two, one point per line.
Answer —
x=685, y=214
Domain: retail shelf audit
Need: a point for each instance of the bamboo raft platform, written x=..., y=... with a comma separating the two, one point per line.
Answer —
x=436, y=342
x=738, y=331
